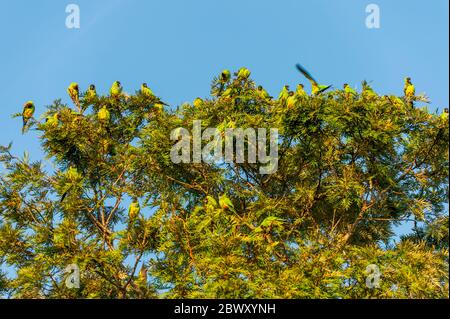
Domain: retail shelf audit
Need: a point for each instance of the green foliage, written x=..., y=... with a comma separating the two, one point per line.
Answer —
x=351, y=167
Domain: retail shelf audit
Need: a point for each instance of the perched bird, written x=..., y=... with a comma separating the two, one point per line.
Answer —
x=262, y=93
x=91, y=93
x=142, y=279
x=73, y=176
x=225, y=203
x=444, y=115
x=146, y=91
x=291, y=100
x=52, y=120
x=223, y=79
x=243, y=74
x=103, y=115
x=284, y=94
x=316, y=88
x=228, y=92
x=409, y=90
x=74, y=93
x=367, y=91
x=300, y=92
x=225, y=76
x=116, y=89
x=349, y=91
x=134, y=209
x=27, y=113
x=198, y=102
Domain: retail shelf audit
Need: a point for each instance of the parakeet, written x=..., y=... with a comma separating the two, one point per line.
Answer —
x=198, y=102
x=27, y=113
x=367, y=91
x=284, y=94
x=316, y=88
x=409, y=89
x=223, y=79
x=444, y=115
x=116, y=89
x=227, y=93
x=225, y=76
x=90, y=93
x=143, y=275
x=291, y=100
x=225, y=203
x=300, y=92
x=349, y=90
x=243, y=74
x=263, y=93
x=103, y=114
x=146, y=91
x=52, y=120
x=73, y=176
x=134, y=209
x=74, y=93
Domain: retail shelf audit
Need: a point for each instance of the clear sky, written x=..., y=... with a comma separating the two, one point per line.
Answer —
x=177, y=47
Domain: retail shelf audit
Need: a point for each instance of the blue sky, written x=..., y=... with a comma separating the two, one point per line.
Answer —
x=178, y=46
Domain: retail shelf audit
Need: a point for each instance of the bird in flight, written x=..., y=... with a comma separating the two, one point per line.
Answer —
x=316, y=87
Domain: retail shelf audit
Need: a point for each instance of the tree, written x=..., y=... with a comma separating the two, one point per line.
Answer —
x=351, y=167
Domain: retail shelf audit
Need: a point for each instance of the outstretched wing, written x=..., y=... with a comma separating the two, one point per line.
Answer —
x=326, y=87
x=305, y=73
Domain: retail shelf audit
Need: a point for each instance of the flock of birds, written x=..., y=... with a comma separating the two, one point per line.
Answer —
x=286, y=96
x=103, y=114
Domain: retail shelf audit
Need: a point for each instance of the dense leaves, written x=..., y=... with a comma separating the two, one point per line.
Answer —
x=352, y=166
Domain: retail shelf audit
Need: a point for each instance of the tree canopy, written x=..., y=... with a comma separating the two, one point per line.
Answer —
x=351, y=167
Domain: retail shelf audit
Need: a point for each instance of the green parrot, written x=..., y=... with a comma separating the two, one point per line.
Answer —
x=225, y=203
x=91, y=93
x=409, y=90
x=146, y=91
x=210, y=203
x=142, y=278
x=223, y=80
x=52, y=120
x=103, y=115
x=263, y=93
x=198, y=102
x=73, y=176
x=300, y=92
x=27, y=113
x=134, y=209
x=444, y=115
x=116, y=89
x=291, y=100
x=284, y=94
x=225, y=76
x=316, y=88
x=349, y=91
x=367, y=91
x=228, y=92
x=243, y=73
x=74, y=93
